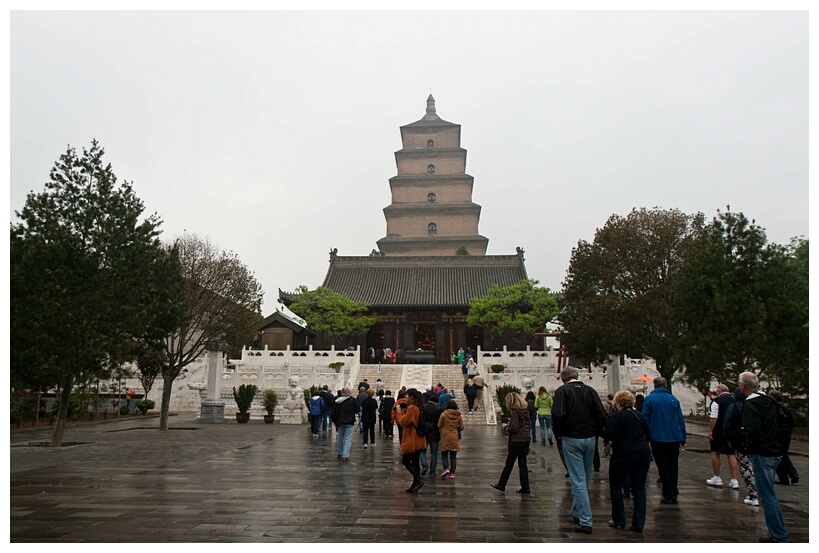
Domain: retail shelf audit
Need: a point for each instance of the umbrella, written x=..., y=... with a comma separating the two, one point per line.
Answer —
x=644, y=378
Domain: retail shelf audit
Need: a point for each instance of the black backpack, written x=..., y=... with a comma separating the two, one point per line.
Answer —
x=425, y=423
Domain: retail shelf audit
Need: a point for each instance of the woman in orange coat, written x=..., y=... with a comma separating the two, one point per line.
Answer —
x=408, y=416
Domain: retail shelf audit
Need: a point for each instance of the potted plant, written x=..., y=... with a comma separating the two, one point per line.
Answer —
x=337, y=365
x=497, y=368
x=270, y=400
x=500, y=395
x=244, y=397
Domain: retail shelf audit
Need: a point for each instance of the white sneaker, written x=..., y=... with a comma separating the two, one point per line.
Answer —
x=715, y=481
x=733, y=484
x=751, y=502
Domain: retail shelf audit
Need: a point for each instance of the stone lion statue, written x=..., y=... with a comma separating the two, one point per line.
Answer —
x=294, y=391
x=528, y=383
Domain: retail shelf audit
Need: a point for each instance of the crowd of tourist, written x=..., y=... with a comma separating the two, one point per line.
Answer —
x=751, y=428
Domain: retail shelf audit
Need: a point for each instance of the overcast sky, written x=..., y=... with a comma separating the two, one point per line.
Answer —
x=273, y=133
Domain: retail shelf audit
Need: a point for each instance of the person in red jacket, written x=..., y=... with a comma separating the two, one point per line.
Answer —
x=408, y=416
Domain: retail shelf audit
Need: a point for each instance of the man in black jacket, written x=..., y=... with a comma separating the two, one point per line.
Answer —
x=344, y=412
x=577, y=418
x=327, y=409
x=760, y=419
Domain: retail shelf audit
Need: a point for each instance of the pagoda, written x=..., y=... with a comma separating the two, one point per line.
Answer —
x=432, y=212
x=432, y=261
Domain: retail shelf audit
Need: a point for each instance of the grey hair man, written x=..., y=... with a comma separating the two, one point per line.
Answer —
x=665, y=421
x=760, y=418
x=577, y=418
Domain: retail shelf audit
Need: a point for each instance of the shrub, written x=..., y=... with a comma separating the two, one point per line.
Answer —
x=244, y=396
x=337, y=365
x=73, y=406
x=497, y=368
x=309, y=393
x=124, y=410
x=270, y=399
x=500, y=394
x=144, y=406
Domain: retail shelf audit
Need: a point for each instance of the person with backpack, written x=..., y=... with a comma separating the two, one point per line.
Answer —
x=450, y=424
x=314, y=414
x=716, y=437
x=412, y=442
x=760, y=419
x=518, y=429
x=735, y=436
x=430, y=415
x=531, y=410
x=327, y=408
x=785, y=470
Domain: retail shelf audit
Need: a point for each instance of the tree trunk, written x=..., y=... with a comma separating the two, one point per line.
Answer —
x=166, y=404
x=37, y=408
x=62, y=413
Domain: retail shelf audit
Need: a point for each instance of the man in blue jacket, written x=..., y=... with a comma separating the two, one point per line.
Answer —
x=664, y=417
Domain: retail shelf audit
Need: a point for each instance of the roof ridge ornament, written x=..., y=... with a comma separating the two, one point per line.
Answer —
x=431, y=112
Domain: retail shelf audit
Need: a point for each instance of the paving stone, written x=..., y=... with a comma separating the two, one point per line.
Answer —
x=274, y=483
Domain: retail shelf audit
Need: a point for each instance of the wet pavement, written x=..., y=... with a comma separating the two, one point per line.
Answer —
x=124, y=481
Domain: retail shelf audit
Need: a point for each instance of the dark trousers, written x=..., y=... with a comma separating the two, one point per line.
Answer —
x=369, y=428
x=631, y=467
x=596, y=460
x=449, y=459
x=412, y=462
x=517, y=452
x=314, y=423
x=667, y=457
x=470, y=401
x=786, y=472
x=388, y=427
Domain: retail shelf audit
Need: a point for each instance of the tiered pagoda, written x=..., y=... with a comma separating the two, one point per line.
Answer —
x=432, y=260
x=432, y=212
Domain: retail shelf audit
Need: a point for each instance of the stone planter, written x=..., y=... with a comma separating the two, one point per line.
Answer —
x=269, y=418
x=242, y=417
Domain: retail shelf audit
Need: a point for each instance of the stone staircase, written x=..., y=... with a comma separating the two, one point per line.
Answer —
x=395, y=376
x=452, y=377
x=390, y=375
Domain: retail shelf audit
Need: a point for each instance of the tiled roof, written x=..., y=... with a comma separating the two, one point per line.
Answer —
x=283, y=319
x=425, y=282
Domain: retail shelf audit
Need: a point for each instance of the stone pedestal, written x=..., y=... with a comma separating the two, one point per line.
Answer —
x=290, y=417
x=212, y=411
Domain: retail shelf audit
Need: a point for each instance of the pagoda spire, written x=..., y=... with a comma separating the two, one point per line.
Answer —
x=431, y=114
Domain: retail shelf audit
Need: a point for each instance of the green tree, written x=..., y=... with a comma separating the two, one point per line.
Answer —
x=221, y=308
x=331, y=312
x=522, y=308
x=617, y=295
x=88, y=278
x=742, y=305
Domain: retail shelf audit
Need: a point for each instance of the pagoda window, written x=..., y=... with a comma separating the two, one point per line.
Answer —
x=430, y=143
x=430, y=169
x=432, y=228
x=431, y=198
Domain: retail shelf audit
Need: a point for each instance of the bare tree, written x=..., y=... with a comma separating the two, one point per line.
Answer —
x=222, y=305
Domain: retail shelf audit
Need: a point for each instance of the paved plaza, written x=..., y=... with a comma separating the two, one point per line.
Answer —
x=124, y=481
